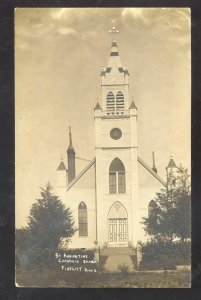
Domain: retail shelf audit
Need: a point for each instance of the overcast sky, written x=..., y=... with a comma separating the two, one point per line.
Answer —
x=58, y=56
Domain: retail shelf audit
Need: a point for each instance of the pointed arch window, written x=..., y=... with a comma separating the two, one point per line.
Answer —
x=117, y=181
x=119, y=101
x=110, y=101
x=152, y=209
x=82, y=219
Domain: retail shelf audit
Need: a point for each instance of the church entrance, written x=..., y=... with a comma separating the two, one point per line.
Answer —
x=117, y=225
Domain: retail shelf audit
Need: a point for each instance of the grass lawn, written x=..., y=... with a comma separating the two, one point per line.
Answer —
x=57, y=278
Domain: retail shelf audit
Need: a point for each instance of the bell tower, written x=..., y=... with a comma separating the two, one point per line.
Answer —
x=116, y=156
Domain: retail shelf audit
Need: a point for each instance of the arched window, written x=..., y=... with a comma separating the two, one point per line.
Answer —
x=82, y=219
x=152, y=209
x=119, y=101
x=110, y=101
x=117, y=182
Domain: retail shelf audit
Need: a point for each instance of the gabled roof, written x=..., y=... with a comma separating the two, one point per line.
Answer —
x=91, y=163
x=61, y=166
x=151, y=171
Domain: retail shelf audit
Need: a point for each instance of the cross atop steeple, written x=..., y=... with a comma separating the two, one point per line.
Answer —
x=113, y=31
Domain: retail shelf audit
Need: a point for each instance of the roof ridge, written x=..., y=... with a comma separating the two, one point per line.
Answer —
x=81, y=173
x=151, y=171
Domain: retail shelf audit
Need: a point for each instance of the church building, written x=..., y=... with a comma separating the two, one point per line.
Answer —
x=115, y=190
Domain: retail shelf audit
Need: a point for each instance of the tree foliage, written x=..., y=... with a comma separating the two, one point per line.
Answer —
x=157, y=254
x=168, y=224
x=170, y=218
x=49, y=220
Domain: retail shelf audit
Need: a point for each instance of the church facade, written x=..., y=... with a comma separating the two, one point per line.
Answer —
x=112, y=194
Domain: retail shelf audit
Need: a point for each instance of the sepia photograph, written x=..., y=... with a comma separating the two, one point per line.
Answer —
x=103, y=147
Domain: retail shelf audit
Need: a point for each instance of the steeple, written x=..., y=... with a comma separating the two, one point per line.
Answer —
x=114, y=62
x=114, y=81
x=71, y=159
x=154, y=166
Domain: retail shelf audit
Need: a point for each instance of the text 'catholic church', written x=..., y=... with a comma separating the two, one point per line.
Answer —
x=114, y=191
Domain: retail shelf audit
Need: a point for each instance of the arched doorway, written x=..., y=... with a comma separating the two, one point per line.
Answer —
x=117, y=225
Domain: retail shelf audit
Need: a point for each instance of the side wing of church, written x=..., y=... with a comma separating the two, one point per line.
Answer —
x=114, y=192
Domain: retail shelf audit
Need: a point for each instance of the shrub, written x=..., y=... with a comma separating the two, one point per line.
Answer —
x=123, y=269
x=164, y=255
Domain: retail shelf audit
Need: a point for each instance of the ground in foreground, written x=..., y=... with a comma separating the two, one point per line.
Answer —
x=57, y=278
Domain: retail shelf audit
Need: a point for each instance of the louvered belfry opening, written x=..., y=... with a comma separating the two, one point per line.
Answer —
x=115, y=103
x=110, y=101
x=119, y=101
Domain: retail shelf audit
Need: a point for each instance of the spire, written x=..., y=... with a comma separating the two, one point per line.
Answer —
x=114, y=65
x=154, y=166
x=70, y=136
x=114, y=59
x=71, y=159
x=70, y=140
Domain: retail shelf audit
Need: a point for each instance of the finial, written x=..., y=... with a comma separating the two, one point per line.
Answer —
x=113, y=31
x=154, y=166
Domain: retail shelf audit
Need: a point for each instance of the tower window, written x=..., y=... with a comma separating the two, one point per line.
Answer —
x=82, y=219
x=119, y=101
x=115, y=133
x=117, y=181
x=110, y=101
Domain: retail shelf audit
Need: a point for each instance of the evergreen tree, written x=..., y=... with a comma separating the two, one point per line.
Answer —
x=49, y=221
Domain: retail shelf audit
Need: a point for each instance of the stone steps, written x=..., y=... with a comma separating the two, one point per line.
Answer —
x=119, y=263
x=118, y=259
x=118, y=251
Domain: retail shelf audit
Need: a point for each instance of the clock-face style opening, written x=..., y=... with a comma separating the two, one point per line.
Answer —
x=115, y=133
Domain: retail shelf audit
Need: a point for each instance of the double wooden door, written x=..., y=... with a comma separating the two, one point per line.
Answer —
x=118, y=231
